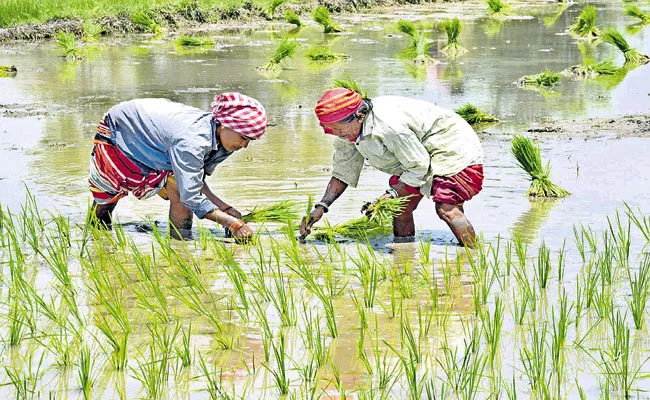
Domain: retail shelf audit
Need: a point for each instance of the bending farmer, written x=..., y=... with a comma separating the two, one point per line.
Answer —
x=156, y=146
x=428, y=150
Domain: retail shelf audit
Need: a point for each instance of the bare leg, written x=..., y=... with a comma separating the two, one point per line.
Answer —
x=180, y=217
x=103, y=212
x=454, y=217
x=403, y=224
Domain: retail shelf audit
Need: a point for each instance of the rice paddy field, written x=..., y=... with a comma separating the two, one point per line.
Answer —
x=551, y=305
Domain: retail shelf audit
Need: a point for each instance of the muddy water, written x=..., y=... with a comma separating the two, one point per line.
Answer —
x=51, y=107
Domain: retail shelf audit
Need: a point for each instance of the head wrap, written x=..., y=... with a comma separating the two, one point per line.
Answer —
x=337, y=104
x=241, y=113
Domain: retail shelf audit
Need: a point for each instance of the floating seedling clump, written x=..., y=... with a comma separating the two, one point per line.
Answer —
x=496, y=7
x=92, y=31
x=545, y=78
x=67, y=42
x=146, y=22
x=292, y=18
x=191, y=41
x=418, y=50
x=632, y=10
x=322, y=16
x=453, y=28
x=605, y=67
x=285, y=50
x=272, y=6
x=474, y=116
x=614, y=37
x=529, y=158
x=324, y=54
x=585, y=25
x=8, y=70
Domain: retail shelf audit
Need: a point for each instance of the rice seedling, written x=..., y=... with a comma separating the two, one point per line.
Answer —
x=406, y=27
x=418, y=50
x=585, y=25
x=214, y=387
x=85, y=375
x=7, y=71
x=632, y=10
x=464, y=372
x=285, y=49
x=66, y=41
x=529, y=159
x=146, y=22
x=191, y=41
x=92, y=31
x=533, y=358
x=520, y=307
x=147, y=288
x=453, y=27
x=351, y=84
x=292, y=18
x=281, y=212
x=368, y=275
x=492, y=324
x=560, y=327
x=543, y=266
x=25, y=380
x=496, y=7
x=312, y=336
x=642, y=222
x=639, y=293
x=321, y=15
x=282, y=299
x=273, y=5
x=324, y=54
x=590, y=71
x=280, y=372
x=153, y=374
x=622, y=240
x=561, y=262
x=615, y=38
x=546, y=78
x=474, y=116
x=184, y=351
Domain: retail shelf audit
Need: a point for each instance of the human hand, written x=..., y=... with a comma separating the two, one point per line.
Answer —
x=314, y=216
x=241, y=231
x=368, y=207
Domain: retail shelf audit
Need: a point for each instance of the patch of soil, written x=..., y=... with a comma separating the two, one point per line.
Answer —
x=22, y=110
x=634, y=125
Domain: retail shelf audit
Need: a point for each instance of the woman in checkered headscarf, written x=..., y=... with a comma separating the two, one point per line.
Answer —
x=155, y=146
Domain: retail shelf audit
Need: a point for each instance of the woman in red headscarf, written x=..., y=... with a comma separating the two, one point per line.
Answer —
x=428, y=151
x=155, y=146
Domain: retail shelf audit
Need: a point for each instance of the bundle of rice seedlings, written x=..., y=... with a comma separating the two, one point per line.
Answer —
x=634, y=11
x=281, y=212
x=92, y=31
x=473, y=115
x=8, y=70
x=614, y=37
x=146, y=22
x=324, y=53
x=406, y=27
x=350, y=83
x=190, y=41
x=589, y=71
x=286, y=49
x=292, y=18
x=496, y=7
x=585, y=25
x=529, y=159
x=418, y=50
x=67, y=42
x=272, y=6
x=545, y=78
x=322, y=16
x=453, y=28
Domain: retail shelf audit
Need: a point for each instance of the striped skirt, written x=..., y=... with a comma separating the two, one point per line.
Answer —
x=113, y=175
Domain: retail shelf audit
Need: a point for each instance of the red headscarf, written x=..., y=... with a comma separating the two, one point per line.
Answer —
x=336, y=105
x=241, y=113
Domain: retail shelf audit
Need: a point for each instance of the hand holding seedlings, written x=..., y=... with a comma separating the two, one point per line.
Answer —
x=308, y=221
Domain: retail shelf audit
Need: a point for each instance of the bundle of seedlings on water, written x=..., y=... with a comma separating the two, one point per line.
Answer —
x=146, y=22
x=351, y=84
x=418, y=50
x=585, y=26
x=605, y=67
x=634, y=11
x=322, y=16
x=324, y=54
x=453, y=27
x=281, y=212
x=67, y=42
x=272, y=6
x=92, y=31
x=614, y=37
x=406, y=27
x=292, y=18
x=545, y=78
x=8, y=70
x=191, y=41
x=496, y=7
x=529, y=159
x=473, y=115
x=285, y=50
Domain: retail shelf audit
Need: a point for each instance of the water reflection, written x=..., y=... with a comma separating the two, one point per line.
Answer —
x=529, y=223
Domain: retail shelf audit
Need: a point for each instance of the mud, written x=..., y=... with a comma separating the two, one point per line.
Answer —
x=635, y=125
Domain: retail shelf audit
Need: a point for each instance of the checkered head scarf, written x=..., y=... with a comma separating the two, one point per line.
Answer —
x=241, y=113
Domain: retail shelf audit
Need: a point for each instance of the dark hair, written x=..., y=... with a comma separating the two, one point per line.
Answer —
x=366, y=107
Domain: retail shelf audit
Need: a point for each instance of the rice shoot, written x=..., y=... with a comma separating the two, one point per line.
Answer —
x=322, y=16
x=589, y=71
x=545, y=78
x=406, y=27
x=634, y=11
x=349, y=83
x=191, y=41
x=292, y=18
x=280, y=212
x=92, y=31
x=418, y=50
x=614, y=37
x=146, y=22
x=529, y=158
x=453, y=28
x=272, y=6
x=474, y=116
x=496, y=7
x=585, y=25
x=286, y=49
x=324, y=53
x=67, y=42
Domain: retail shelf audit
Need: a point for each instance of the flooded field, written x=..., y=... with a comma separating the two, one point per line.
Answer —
x=553, y=305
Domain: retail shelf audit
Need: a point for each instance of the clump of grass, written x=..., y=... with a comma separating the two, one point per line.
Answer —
x=292, y=18
x=634, y=11
x=322, y=16
x=351, y=84
x=605, y=67
x=92, y=31
x=146, y=22
x=453, y=28
x=585, y=25
x=67, y=42
x=406, y=27
x=280, y=212
x=545, y=78
x=190, y=41
x=473, y=115
x=272, y=6
x=324, y=53
x=285, y=50
x=614, y=37
x=496, y=7
x=418, y=50
x=529, y=159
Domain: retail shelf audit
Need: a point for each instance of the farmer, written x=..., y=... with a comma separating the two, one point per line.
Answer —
x=156, y=146
x=428, y=151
